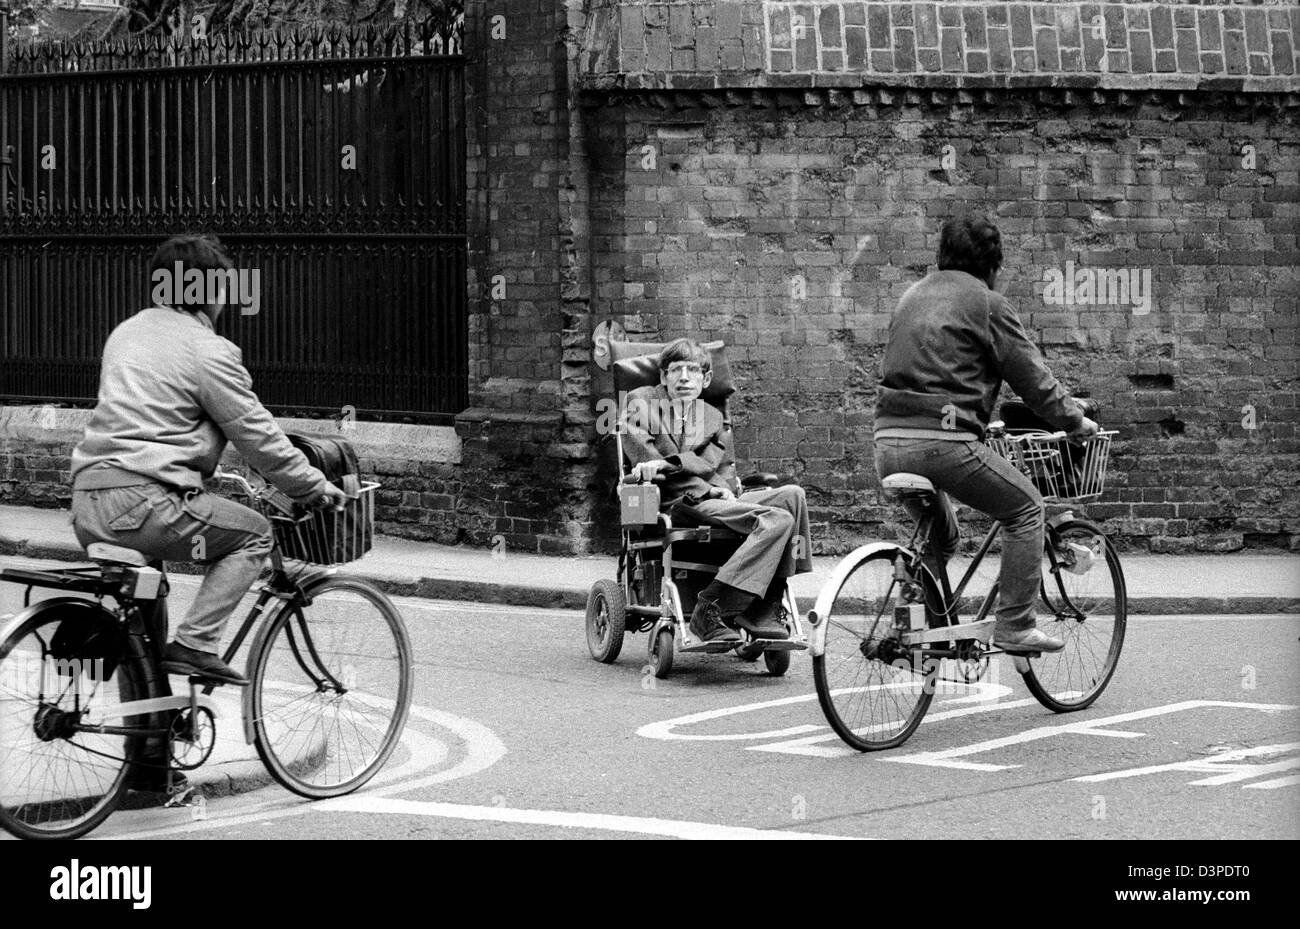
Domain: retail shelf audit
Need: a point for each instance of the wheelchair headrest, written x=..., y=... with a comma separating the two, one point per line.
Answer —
x=636, y=364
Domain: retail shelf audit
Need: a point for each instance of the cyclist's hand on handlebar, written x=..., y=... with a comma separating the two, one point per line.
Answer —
x=332, y=499
x=1086, y=428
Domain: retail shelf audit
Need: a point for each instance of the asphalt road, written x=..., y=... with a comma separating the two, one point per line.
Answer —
x=517, y=733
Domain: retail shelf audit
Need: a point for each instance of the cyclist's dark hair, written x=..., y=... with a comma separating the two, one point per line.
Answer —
x=972, y=244
x=202, y=252
x=685, y=350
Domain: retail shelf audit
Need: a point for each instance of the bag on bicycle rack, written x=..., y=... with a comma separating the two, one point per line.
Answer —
x=1019, y=418
x=349, y=533
x=86, y=644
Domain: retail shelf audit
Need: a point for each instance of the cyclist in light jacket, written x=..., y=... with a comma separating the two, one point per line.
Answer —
x=953, y=340
x=171, y=394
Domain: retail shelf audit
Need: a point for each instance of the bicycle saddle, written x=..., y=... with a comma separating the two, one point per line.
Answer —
x=117, y=554
x=904, y=481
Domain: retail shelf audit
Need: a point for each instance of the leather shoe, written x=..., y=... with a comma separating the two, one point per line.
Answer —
x=1026, y=640
x=706, y=623
x=181, y=659
x=766, y=625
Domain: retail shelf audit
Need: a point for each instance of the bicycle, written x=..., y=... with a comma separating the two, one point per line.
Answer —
x=82, y=693
x=884, y=627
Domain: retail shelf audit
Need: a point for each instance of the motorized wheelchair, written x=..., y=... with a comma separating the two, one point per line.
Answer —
x=665, y=559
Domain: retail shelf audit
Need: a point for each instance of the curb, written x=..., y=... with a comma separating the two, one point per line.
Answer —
x=222, y=780
x=571, y=598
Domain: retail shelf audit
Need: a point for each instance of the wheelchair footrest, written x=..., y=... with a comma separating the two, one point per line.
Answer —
x=779, y=645
x=711, y=648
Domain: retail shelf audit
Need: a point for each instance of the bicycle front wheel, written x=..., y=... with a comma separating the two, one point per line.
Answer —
x=873, y=692
x=56, y=781
x=331, y=688
x=1086, y=604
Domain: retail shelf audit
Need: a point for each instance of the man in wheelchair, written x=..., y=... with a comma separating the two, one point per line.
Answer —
x=672, y=438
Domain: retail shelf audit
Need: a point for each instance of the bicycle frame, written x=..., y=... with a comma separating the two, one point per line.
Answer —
x=96, y=720
x=913, y=555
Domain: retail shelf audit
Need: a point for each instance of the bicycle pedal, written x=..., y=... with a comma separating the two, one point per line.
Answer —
x=183, y=797
x=198, y=680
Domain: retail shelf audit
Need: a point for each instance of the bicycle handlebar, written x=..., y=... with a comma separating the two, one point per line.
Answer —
x=244, y=485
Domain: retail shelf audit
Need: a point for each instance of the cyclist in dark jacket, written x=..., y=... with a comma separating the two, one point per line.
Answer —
x=953, y=340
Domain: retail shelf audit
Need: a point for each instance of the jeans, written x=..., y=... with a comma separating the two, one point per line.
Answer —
x=191, y=525
x=986, y=481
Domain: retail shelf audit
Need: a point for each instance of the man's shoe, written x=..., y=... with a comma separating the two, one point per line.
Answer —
x=153, y=779
x=180, y=659
x=706, y=623
x=766, y=625
x=1026, y=640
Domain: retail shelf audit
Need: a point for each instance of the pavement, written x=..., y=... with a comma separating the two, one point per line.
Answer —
x=1251, y=583
x=1254, y=582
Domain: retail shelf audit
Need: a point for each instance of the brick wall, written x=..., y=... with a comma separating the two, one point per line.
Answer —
x=723, y=169
x=793, y=197
x=703, y=43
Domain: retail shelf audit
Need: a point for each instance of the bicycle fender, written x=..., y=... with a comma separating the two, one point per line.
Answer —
x=11, y=622
x=821, y=610
x=259, y=638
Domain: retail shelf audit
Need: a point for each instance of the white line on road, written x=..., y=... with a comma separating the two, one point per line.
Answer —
x=984, y=693
x=605, y=822
x=809, y=746
x=483, y=749
x=1275, y=783
x=948, y=758
x=1221, y=766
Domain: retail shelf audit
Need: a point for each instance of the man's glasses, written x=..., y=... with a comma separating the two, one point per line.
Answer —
x=678, y=368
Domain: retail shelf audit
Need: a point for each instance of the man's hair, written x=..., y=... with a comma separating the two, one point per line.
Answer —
x=972, y=244
x=200, y=252
x=685, y=350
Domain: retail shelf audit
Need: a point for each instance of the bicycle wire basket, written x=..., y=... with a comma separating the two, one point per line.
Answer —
x=1062, y=469
x=323, y=537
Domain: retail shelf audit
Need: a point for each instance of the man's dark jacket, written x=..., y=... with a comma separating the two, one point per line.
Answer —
x=952, y=342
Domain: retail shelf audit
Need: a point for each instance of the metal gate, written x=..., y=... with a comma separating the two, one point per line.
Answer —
x=331, y=161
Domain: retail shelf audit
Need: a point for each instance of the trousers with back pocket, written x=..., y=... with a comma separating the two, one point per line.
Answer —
x=192, y=525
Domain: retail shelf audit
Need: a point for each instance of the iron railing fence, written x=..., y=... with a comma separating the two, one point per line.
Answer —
x=330, y=160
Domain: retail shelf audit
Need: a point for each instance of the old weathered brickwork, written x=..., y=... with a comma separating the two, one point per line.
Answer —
x=774, y=174
x=790, y=227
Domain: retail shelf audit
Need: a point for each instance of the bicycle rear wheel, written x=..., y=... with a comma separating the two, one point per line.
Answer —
x=868, y=687
x=55, y=782
x=1086, y=604
x=331, y=688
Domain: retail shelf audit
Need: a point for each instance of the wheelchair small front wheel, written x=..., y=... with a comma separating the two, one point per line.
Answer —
x=777, y=662
x=606, y=620
x=661, y=652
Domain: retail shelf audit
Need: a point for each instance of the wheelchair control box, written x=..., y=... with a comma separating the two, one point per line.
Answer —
x=638, y=504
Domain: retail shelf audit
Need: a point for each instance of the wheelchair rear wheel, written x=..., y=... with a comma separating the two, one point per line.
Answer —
x=606, y=620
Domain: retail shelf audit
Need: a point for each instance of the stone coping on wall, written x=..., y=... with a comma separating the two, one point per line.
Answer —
x=715, y=44
x=402, y=441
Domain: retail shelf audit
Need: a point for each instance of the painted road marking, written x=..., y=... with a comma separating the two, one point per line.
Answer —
x=1274, y=784
x=984, y=695
x=951, y=757
x=810, y=746
x=605, y=822
x=1222, y=767
x=482, y=750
